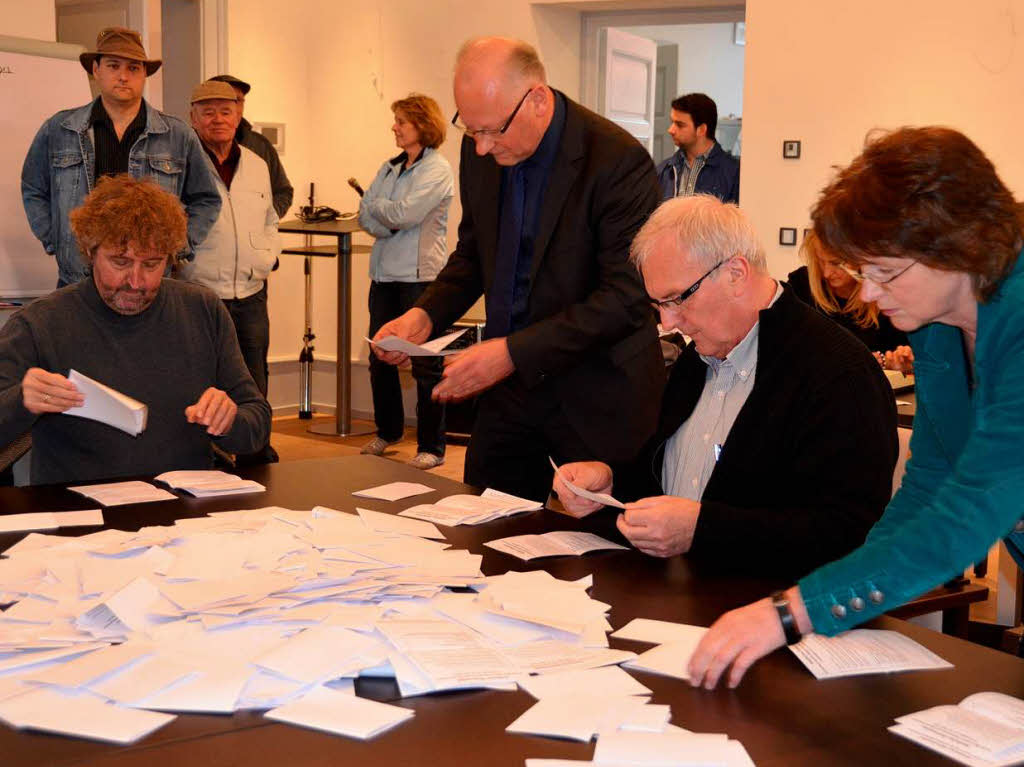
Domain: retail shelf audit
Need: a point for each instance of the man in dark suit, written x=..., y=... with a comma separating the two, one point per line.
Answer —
x=552, y=195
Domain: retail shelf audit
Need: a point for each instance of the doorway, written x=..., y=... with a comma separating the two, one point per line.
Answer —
x=691, y=50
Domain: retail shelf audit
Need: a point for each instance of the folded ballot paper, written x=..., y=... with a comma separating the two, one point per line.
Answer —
x=204, y=484
x=435, y=348
x=864, y=651
x=108, y=405
x=562, y=543
x=986, y=728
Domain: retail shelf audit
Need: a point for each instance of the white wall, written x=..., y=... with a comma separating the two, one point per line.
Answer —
x=827, y=73
x=709, y=61
x=32, y=18
x=330, y=71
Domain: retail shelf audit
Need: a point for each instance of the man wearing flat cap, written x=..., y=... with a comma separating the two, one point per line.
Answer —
x=119, y=132
x=260, y=144
x=242, y=247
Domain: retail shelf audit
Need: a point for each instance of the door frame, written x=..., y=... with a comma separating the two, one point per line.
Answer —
x=591, y=24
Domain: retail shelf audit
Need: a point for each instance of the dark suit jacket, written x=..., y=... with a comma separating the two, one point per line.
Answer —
x=807, y=467
x=590, y=329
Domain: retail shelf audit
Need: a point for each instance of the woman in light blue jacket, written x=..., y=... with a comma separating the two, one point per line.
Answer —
x=406, y=209
x=935, y=237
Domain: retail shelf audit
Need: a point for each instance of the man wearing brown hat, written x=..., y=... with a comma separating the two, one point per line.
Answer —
x=119, y=132
x=260, y=144
x=242, y=247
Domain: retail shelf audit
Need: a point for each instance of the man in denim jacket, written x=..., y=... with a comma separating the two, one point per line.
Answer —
x=117, y=133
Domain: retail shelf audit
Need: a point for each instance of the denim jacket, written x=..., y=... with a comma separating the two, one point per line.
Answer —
x=964, y=486
x=408, y=214
x=720, y=175
x=60, y=167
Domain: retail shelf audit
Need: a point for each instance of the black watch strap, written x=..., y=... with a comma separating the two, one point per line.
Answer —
x=781, y=604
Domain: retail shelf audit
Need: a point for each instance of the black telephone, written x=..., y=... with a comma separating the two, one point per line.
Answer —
x=315, y=214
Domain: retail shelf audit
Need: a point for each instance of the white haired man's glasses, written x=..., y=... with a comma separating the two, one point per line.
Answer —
x=672, y=303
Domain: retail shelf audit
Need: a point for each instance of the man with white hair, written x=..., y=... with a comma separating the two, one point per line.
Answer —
x=552, y=194
x=776, y=442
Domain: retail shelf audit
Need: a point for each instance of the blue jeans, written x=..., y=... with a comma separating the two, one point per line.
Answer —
x=387, y=301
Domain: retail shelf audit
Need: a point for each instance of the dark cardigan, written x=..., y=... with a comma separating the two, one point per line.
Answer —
x=807, y=467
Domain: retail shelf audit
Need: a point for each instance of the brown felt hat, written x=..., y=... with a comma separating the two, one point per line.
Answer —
x=212, y=89
x=123, y=42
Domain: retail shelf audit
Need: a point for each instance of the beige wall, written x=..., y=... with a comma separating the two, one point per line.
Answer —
x=329, y=71
x=828, y=72
x=29, y=18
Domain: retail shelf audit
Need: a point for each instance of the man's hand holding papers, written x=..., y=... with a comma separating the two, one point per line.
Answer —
x=44, y=392
x=661, y=526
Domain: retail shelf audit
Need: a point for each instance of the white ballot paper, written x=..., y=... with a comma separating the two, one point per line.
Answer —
x=435, y=348
x=562, y=543
x=119, y=493
x=340, y=712
x=79, y=714
x=986, y=728
x=671, y=659
x=204, y=484
x=580, y=718
x=603, y=498
x=108, y=405
x=672, y=748
x=394, y=491
x=659, y=632
x=864, y=651
x=49, y=520
x=608, y=681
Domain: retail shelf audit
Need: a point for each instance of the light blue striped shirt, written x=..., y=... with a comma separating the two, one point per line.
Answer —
x=692, y=452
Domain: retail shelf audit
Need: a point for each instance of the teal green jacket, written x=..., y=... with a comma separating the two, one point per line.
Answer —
x=964, y=486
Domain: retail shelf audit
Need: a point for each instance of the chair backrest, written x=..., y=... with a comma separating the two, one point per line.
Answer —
x=901, y=461
x=14, y=450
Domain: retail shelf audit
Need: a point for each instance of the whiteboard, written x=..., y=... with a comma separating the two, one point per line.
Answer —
x=37, y=79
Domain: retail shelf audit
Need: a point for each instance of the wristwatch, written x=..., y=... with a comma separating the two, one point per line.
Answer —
x=781, y=604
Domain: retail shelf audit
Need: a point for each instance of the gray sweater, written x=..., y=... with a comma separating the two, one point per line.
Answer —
x=165, y=357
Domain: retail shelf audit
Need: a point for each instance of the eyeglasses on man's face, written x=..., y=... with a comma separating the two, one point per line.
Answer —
x=491, y=132
x=677, y=301
x=879, y=275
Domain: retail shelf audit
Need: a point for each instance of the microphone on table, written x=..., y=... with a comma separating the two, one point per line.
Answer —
x=355, y=185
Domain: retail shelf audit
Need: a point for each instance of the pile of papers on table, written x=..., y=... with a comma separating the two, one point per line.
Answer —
x=271, y=609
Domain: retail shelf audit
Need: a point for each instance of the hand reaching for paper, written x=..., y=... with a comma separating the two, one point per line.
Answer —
x=215, y=410
x=740, y=637
x=661, y=526
x=588, y=475
x=470, y=372
x=44, y=392
x=415, y=326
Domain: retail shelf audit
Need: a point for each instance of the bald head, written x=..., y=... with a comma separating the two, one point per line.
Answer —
x=503, y=61
x=502, y=98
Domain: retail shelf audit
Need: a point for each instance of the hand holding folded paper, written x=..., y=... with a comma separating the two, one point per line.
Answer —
x=108, y=406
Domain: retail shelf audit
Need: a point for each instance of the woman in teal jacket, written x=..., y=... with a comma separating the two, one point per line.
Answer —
x=934, y=236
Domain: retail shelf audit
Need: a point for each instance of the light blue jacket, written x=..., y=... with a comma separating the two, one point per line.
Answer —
x=964, y=486
x=60, y=169
x=408, y=214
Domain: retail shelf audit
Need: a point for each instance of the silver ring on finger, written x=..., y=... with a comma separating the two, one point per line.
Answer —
x=46, y=398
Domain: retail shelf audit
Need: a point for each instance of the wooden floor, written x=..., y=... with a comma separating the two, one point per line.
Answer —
x=293, y=442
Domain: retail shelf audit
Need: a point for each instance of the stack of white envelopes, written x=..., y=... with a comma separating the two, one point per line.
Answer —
x=272, y=609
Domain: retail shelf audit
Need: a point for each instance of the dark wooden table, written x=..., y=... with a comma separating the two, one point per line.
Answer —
x=780, y=713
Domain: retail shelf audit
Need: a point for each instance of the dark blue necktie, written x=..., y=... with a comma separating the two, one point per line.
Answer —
x=510, y=232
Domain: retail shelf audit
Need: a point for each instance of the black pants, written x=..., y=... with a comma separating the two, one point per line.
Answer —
x=252, y=326
x=387, y=301
x=516, y=430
